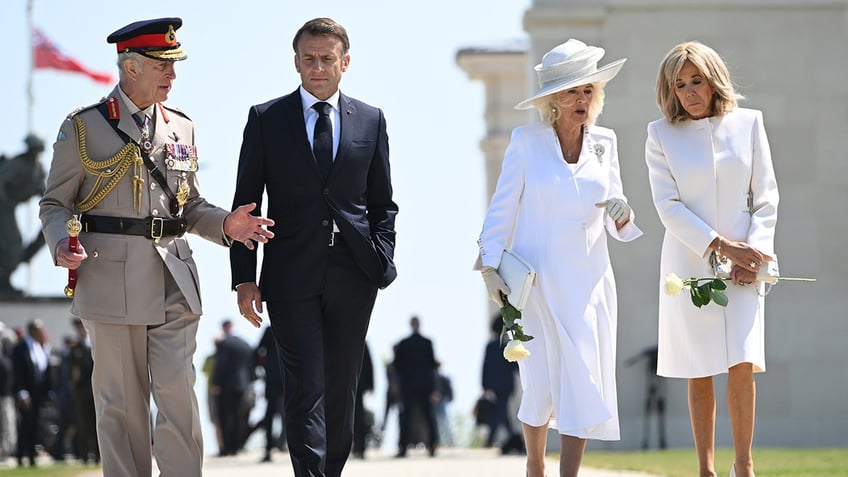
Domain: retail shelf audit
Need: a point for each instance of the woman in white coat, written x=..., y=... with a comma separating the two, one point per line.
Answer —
x=714, y=189
x=559, y=190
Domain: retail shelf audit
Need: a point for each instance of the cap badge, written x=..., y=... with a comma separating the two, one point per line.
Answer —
x=171, y=36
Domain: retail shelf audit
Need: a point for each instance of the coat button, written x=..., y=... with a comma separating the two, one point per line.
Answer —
x=326, y=191
x=325, y=223
x=95, y=254
x=152, y=186
x=154, y=212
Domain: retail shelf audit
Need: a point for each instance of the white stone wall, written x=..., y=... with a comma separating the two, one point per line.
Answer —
x=790, y=59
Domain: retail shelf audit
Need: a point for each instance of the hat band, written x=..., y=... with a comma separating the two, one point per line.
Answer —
x=153, y=40
x=557, y=74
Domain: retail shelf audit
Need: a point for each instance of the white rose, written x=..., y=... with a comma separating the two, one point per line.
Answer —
x=673, y=284
x=515, y=351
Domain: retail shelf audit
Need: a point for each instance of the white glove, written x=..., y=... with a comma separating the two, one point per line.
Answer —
x=617, y=209
x=494, y=284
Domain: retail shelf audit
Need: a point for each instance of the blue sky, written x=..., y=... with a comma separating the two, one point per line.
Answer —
x=402, y=60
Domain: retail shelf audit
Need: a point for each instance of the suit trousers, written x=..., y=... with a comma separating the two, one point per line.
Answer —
x=130, y=362
x=321, y=341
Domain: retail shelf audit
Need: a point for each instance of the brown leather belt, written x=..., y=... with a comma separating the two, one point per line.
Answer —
x=150, y=227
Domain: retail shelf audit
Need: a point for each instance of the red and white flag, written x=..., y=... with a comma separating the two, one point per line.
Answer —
x=46, y=55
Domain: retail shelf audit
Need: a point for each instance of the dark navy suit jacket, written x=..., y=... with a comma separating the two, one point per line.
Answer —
x=276, y=158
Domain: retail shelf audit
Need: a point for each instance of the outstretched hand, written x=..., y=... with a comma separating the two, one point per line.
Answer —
x=246, y=228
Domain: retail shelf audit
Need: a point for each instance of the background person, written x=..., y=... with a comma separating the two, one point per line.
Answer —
x=715, y=191
x=498, y=383
x=416, y=366
x=232, y=377
x=138, y=292
x=32, y=385
x=555, y=176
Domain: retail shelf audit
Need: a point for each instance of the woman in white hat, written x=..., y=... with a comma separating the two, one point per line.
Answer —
x=715, y=191
x=558, y=195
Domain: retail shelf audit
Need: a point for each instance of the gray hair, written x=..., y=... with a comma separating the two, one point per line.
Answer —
x=125, y=56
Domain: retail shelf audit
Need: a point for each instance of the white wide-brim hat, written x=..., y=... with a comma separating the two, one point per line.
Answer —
x=570, y=64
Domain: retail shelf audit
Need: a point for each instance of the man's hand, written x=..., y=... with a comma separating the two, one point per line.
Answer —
x=243, y=227
x=494, y=284
x=67, y=259
x=250, y=302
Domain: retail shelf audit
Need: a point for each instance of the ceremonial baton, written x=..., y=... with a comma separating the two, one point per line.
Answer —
x=74, y=226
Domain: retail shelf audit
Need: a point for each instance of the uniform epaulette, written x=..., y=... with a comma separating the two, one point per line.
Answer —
x=176, y=110
x=86, y=108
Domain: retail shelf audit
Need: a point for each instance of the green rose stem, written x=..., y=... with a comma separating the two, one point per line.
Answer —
x=510, y=316
x=702, y=293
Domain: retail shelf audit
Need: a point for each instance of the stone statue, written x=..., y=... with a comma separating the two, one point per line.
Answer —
x=21, y=178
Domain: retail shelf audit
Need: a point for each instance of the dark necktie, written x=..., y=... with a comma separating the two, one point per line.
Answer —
x=322, y=139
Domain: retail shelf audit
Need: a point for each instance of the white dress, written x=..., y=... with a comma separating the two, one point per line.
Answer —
x=544, y=209
x=700, y=174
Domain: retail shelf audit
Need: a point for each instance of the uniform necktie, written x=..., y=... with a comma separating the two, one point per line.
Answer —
x=143, y=122
x=322, y=139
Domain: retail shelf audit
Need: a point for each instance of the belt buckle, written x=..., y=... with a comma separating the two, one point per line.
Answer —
x=332, y=239
x=153, y=233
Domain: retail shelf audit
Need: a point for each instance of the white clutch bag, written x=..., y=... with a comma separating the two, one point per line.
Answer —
x=519, y=276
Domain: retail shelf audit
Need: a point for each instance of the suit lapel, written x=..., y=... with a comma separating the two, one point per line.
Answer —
x=347, y=118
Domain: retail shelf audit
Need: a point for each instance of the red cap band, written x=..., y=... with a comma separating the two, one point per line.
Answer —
x=153, y=40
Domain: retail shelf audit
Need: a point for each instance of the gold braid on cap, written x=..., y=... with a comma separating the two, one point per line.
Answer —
x=111, y=170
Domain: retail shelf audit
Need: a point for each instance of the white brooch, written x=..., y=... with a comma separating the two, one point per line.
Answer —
x=598, y=149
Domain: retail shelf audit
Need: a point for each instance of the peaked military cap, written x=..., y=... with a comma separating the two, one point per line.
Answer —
x=156, y=39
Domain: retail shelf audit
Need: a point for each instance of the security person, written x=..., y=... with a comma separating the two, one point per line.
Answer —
x=127, y=165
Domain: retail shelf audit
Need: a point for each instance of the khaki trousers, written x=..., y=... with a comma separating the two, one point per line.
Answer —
x=130, y=363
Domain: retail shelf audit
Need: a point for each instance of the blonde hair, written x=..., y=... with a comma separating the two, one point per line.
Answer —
x=549, y=109
x=711, y=67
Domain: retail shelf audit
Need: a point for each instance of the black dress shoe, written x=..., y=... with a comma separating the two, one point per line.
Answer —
x=400, y=454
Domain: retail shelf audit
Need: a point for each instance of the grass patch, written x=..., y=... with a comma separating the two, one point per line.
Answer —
x=767, y=462
x=50, y=470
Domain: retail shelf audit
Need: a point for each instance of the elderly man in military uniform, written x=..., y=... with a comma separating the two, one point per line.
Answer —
x=127, y=167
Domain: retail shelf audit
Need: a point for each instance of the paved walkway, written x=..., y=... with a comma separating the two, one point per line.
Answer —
x=448, y=463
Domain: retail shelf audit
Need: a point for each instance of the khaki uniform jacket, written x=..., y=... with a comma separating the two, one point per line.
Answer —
x=122, y=280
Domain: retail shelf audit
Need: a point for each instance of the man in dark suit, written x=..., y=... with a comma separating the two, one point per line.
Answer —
x=267, y=356
x=231, y=378
x=362, y=422
x=498, y=383
x=30, y=361
x=322, y=157
x=416, y=366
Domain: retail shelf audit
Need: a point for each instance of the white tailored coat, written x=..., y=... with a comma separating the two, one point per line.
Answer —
x=544, y=210
x=700, y=173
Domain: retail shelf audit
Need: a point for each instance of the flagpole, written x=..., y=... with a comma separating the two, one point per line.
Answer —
x=30, y=121
x=30, y=99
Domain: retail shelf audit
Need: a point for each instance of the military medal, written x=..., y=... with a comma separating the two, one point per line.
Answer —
x=181, y=157
x=182, y=193
x=146, y=144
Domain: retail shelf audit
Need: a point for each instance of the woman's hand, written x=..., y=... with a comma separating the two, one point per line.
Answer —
x=742, y=255
x=740, y=276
